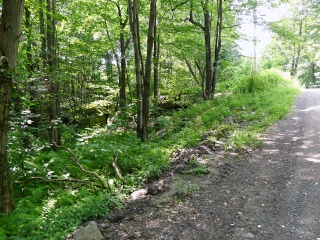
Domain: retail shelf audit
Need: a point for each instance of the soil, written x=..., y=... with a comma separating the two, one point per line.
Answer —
x=268, y=193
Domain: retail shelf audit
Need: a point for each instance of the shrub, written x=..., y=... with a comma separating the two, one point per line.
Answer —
x=257, y=82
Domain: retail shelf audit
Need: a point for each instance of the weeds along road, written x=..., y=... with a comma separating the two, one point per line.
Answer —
x=273, y=194
x=287, y=172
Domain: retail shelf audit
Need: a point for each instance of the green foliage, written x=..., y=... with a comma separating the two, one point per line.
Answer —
x=242, y=140
x=258, y=82
x=88, y=53
x=183, y=189
x=25, y=223
x=239, y=117
x=196, y=168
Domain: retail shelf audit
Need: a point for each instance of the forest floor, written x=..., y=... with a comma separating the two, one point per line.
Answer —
x=272, y=192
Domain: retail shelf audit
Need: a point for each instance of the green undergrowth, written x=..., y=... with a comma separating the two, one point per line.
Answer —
x=51, y=210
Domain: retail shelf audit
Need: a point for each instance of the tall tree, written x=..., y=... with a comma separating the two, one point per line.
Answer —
x=120, y=50
x=217, y=44
x=143, y=73
x=10, y=32
x=206, y=28
x=148, y=70
x=51, y=76
x=156, y=59
x=291, y=32
x=133, y=11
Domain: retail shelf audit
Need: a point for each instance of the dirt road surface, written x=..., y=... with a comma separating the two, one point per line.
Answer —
x=272, y=193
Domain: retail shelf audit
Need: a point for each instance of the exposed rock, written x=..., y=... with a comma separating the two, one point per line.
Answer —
x=156, y=188
x=116, y=217
x=139, y=194
x=89, y=232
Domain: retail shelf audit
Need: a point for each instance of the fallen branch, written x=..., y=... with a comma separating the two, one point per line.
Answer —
x=75, y=160
x=114, y=165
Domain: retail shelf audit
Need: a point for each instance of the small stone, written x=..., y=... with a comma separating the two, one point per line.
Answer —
x=89, y=232
x=248, y=235
x=139, y=194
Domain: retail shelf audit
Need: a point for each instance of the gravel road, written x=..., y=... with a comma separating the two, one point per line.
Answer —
x=287, y=172
x=272, y=193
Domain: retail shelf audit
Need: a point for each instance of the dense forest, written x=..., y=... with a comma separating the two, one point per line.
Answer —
x=96, y=96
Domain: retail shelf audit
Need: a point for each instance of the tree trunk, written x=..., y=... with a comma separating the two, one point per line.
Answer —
x=29, y=64
x=202, y=74
x=156, y=59
x=207, y=36
x=53, y=84
x=193, y=73
x=10, y=32
x=147, y=75
x=313, y=72
x=296, y=54
x=142, y=77
x=206, y=28
x=133, y=12
x=122, y=75
x=217, y=46
x=42, y=34
x=123, y=66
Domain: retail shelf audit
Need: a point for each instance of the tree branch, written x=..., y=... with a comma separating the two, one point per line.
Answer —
x=75, y=160
x=114, y=165
x=195, y=22
x=179, y=5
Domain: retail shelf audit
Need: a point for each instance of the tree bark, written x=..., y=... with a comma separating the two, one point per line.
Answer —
x=142, y=77
x=296, y=53
x=193, y=73
x=123, y=66
x=122, y=74
x=10, y=32
x=30, y=65
x=133, y=12
x=43, y=54
x=217, y=45
x=207, y=36
x=202, y=74
x=53, y=84
x=206, y=28
x=148, y=70
x=156, y=59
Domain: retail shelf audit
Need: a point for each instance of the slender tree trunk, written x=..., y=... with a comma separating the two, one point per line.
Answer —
x=53, y=84
x=156, y=59
x=148, y=70
x=42, y=34
x=207, y=36
x=206, y=28
x=123, y=66
x=193, y=73
x=10, y=31
x=202, y=74
x=293, y=62
x=30, y=65
x=133, y=12
x=142, y=77
x=296, y=54
x=313, y=72
x=122, y=75
x=217, y=46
